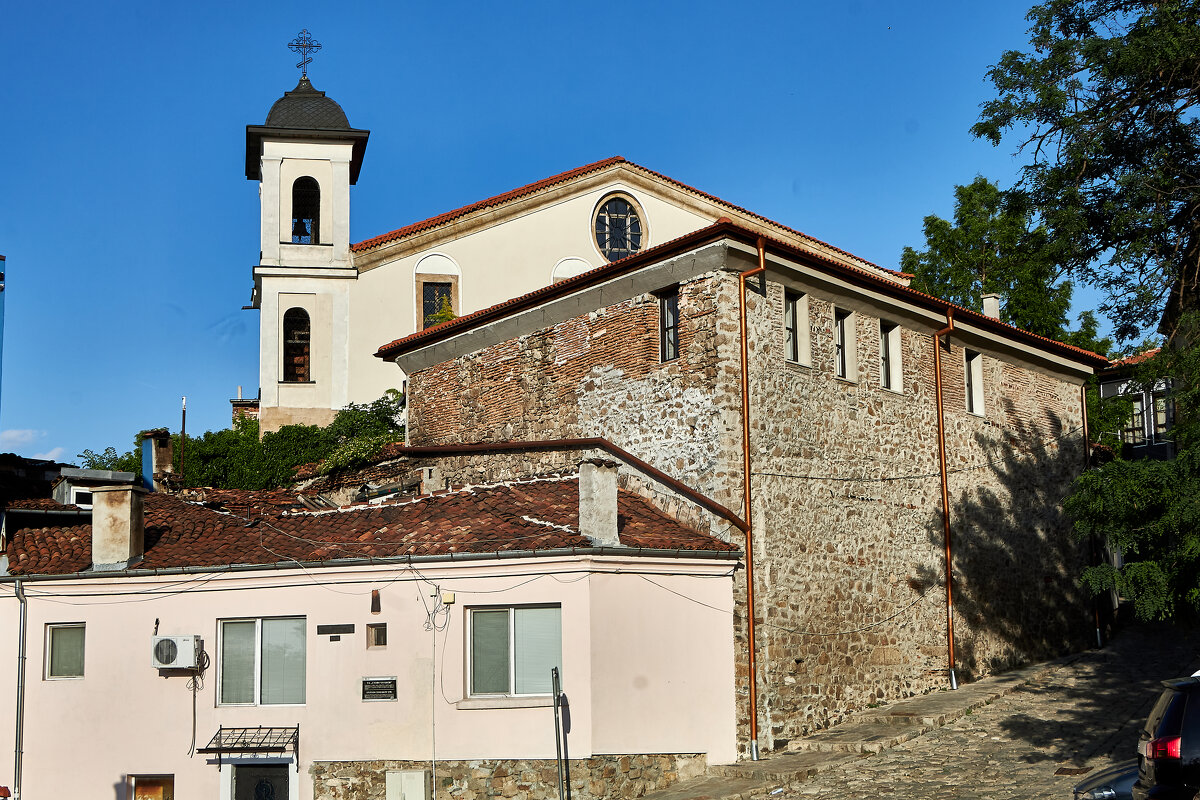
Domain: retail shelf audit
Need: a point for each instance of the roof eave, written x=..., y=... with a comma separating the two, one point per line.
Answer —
x=712, y=234
x=495, y=555
x=255, y=134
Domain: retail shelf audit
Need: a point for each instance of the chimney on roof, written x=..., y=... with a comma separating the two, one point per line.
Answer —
x=598, y=502
x=118, y=526
x=991, y=305
x=157, y=459
x=432, y=480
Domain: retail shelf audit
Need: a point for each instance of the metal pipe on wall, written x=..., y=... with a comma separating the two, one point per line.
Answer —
x=941, y=420
x=23, y=626
x=748, y=512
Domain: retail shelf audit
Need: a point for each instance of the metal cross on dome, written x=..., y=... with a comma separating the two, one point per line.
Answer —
x=304, y=44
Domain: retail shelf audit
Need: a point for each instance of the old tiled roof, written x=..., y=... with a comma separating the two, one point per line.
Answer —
x=521, y=516
x=1134, y=360
x=712, y=233
x=563, y=177
x=39, y=504
x=239, y=501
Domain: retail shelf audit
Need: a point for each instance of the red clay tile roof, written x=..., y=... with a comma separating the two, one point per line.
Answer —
x=39, y=504
x=499, y=199
x=712, y=233
x=239, y=501
x=1134, y=359
x=520, y=516
x=563, y=177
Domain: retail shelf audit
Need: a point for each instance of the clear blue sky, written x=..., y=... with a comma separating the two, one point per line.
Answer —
x=130, y=229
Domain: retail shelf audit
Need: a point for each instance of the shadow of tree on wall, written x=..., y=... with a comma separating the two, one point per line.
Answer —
x=1015, y=560
x=1018, y=600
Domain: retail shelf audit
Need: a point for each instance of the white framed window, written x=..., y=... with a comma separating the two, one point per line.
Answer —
x=262, y=661
x=843, y=345
x=1134, y=431
x=376, y=635
x=891, y=375
x=796, y=345
x=64, y=650
x=973, y=375
x=668, y=324
x=512, y=650
x=81, y=497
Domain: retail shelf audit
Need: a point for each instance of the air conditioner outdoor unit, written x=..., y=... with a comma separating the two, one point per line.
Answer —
x=176, y=652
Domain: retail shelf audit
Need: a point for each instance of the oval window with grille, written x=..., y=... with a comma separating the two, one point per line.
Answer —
x=619, y=228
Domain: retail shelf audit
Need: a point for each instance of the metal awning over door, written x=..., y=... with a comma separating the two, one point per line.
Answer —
x=254, y=741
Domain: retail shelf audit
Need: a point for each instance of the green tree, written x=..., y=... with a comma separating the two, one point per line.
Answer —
x=994, y=244
x=1105, y=105
x=1149, y=510
x=110, y=459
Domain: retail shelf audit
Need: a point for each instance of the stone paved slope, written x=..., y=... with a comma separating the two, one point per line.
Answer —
x=1029, y=734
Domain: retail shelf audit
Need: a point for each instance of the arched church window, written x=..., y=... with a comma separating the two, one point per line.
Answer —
x=296, y=353
x=306, y=211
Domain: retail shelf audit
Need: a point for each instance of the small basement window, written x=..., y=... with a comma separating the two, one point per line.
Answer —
x=152, y=787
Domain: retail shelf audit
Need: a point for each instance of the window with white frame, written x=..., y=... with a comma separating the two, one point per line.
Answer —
x=64, y=650
x=668, y=324
x=890, y=373
x=1164, y=416
x=843, y=344
x=512, y=650
x=1134, y=431
x=973, y=375
x=796, y=346
x=262, y=661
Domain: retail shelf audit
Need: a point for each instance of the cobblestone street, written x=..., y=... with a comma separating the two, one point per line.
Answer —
x=1084, y=715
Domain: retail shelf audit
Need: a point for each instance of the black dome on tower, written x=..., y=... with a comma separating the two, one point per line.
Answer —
x=305, y=113
x=306, y=108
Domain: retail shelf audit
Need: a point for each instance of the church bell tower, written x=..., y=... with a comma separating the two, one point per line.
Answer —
x=305, y=158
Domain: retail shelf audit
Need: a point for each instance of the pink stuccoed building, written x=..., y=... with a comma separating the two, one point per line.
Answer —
x=177, y=649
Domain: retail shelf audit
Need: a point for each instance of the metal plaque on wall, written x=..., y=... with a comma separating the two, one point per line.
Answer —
x=379, y=689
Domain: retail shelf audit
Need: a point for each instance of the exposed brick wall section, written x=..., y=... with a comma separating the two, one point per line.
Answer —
x=850, y=564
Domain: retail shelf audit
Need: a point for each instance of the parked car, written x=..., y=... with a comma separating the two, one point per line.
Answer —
x=1114, y=783
x=1169, y=745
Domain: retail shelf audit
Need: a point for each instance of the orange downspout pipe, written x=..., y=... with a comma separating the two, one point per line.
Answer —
x=941, y=419
x=749, y=517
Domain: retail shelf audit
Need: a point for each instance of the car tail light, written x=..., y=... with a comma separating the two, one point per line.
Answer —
x=1163, y=747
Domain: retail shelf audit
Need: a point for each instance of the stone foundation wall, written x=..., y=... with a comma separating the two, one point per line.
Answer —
x=535, y=779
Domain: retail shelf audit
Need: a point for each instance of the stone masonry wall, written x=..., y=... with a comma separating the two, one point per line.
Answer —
x=849, y=549
x=591, y=779
x=850, y=542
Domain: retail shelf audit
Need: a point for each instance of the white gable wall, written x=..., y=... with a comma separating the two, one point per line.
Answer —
x=497, y=263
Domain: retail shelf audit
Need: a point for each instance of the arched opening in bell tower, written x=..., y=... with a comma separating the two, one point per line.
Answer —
x=306, y=211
